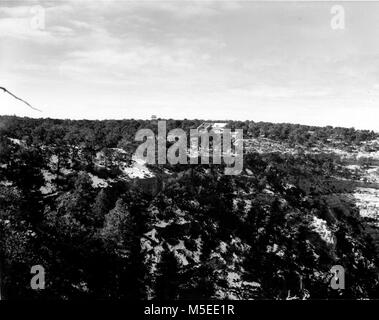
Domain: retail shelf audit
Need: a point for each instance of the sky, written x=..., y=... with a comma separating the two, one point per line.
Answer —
x=277, y=61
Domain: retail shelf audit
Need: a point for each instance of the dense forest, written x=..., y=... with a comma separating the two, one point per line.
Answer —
x=272, y=232
x=120, y=133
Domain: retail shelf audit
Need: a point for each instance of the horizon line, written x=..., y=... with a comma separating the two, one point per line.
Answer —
x=189, y=119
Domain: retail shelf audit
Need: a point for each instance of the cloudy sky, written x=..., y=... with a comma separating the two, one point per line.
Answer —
x=263, y=61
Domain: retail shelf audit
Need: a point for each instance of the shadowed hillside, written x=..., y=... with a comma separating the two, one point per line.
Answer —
x=75, y=200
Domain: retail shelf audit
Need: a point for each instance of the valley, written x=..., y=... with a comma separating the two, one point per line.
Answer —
x=306, y=199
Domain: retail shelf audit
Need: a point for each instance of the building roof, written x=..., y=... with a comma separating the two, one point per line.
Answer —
x=211, y=125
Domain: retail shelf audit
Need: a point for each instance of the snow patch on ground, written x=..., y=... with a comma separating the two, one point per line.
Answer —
x=275, y=249
x=138, y=169
x=320, y=226
x=98, y=182
x=372, y=175
x=17, y=141
x=48, y=177
x=353, y=167
x=6, y=183
x=181, y=253
x=247, y=204
x=367, y=200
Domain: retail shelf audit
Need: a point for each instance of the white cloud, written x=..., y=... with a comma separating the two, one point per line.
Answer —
x=19, y=28
x=15, y=12
x=193, y=59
